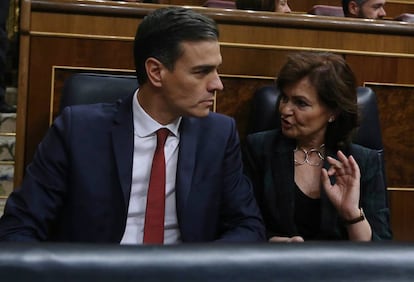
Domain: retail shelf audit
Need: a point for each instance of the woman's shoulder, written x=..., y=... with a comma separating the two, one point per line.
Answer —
x=361, y=152
x=367, y=159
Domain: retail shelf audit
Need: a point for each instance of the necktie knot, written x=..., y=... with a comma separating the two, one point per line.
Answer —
x=162, y=135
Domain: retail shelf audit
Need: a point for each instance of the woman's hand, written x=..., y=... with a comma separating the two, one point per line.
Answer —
x=280, y=239
x=344, y=193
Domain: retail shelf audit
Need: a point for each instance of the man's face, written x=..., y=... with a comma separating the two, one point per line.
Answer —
x=282, y=6
x=372, y=9
x=189, y=89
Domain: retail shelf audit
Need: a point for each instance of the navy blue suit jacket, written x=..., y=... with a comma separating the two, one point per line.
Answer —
x=77, y=188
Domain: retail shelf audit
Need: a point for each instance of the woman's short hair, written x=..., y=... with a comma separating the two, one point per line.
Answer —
x=335, y=84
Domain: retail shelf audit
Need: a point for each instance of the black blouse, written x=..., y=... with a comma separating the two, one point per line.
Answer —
x=307, y=215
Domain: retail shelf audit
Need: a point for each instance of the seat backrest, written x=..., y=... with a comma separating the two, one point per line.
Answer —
x=90, y=88
x=327, y=10
x=264, y=115
x=405, y=17
x=224, y=4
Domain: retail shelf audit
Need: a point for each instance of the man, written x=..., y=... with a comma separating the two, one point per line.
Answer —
x=4, y=11
x=89, y=179
x=368, y=9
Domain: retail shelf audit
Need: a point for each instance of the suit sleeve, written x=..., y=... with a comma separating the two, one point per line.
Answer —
x=241, y=216
x=373, y=198
x=31, y=209
x=253, y=166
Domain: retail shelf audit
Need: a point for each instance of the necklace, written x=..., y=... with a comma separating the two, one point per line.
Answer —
x=313, y=157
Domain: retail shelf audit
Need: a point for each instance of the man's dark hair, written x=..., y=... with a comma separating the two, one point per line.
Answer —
x=345, y=5
x=161, y=33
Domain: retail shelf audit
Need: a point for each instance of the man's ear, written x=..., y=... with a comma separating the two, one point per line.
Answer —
x=353, y=8
x=153, y=67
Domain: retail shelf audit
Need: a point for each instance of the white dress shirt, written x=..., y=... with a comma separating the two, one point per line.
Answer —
x=145, y=141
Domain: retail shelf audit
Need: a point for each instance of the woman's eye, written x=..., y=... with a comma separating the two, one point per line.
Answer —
x=301, y=103
x=283, y=99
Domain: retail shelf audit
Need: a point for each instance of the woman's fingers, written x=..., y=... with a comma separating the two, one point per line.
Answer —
x=279, y=239
x=354, y=166
x=342, y=166
x=326, y=182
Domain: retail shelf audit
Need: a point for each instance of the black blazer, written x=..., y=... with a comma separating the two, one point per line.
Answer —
x=269, y=161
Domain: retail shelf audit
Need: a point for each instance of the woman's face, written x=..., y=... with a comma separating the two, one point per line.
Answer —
x=282, y=6
x=303, y=116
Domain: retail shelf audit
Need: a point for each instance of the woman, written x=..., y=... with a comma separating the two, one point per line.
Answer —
x=310, y=181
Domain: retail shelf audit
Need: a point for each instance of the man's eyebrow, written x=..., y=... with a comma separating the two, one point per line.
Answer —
x=204, y=67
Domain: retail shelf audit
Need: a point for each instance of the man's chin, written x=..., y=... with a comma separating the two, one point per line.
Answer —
x=199, y=113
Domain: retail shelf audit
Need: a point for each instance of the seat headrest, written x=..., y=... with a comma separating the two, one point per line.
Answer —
x=327, y=10
x=224, y=4
x=90, y=88
x=369, y=132
x=405, y=17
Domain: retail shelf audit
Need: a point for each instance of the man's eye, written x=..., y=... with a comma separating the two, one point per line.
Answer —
x=202, y=71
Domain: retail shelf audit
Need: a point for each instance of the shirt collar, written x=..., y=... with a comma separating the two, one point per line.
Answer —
x=145, y=125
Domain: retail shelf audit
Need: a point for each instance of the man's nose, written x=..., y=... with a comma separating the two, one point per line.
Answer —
x=382, y=12
x=216, y=83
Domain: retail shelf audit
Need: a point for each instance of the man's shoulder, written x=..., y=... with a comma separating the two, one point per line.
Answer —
x=213, y=119
x=86, y=112
x=215, y=125
x=219, y=117
x=262, y=137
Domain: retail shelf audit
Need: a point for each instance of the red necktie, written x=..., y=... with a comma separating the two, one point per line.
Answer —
x=155, y=212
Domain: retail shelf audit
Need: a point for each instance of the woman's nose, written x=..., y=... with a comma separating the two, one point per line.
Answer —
x=285, y=108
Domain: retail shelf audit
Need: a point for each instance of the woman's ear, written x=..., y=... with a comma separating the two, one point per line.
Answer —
x=153, y=67
x=334, y=116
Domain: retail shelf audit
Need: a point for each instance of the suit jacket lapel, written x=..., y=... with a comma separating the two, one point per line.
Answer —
x=186, y=161
x=329, y=215
x=123, y=144
x=283, y=177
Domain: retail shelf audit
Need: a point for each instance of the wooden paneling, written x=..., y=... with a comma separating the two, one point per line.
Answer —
x=401, y=205
x=397, y=128
x=61, y=37
x=395, y=8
